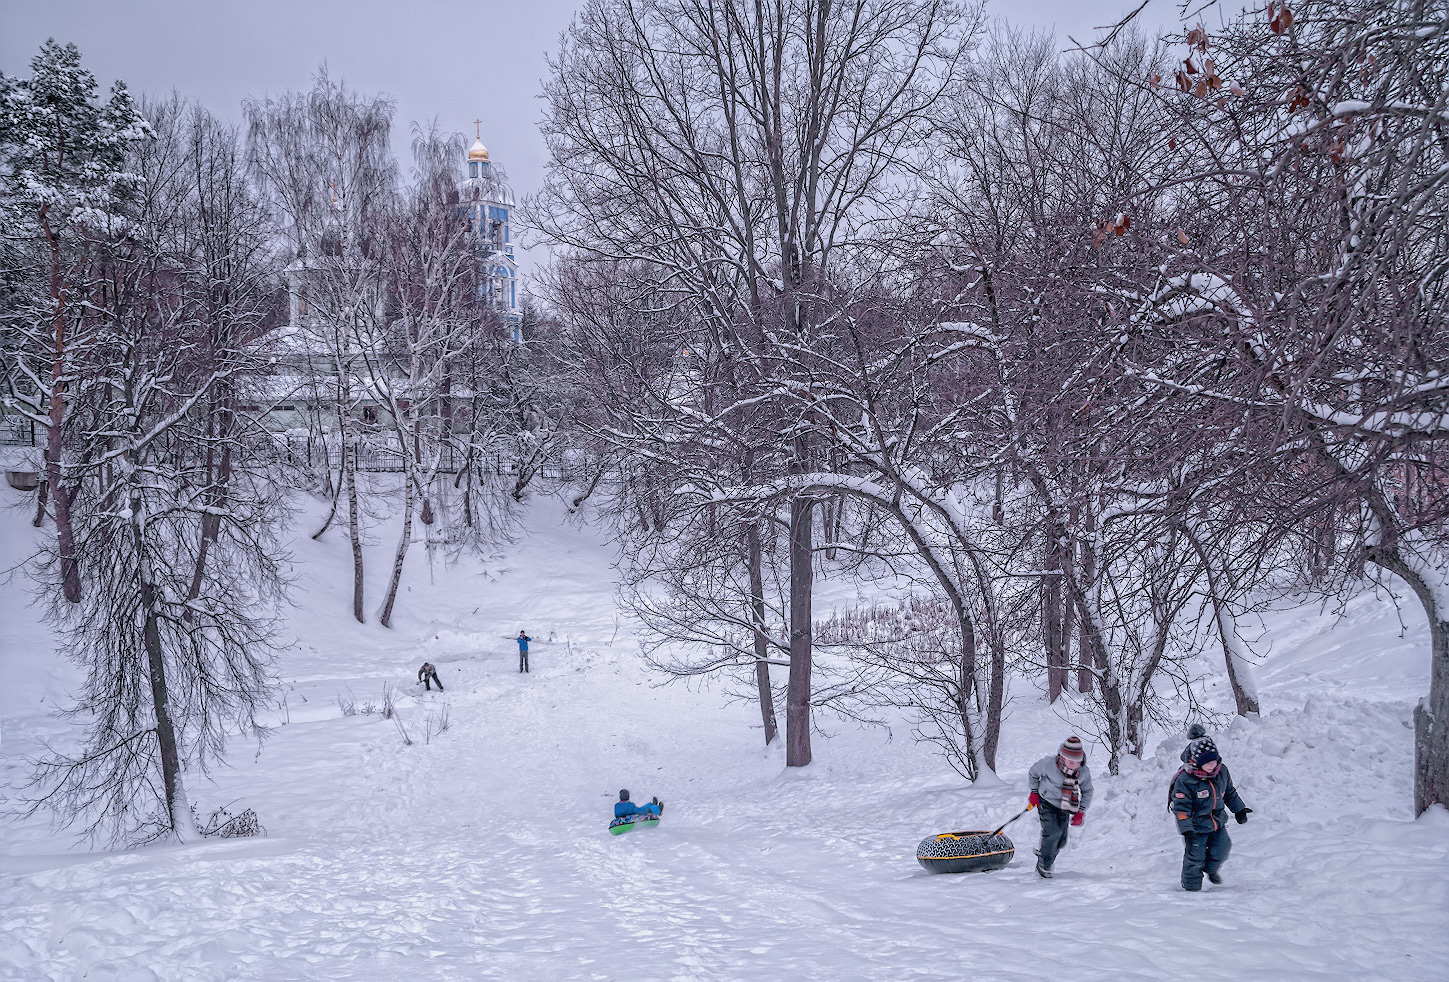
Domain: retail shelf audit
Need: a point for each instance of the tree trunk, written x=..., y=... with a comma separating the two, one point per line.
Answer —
x=42, y=494
x=335, y=489
x=211, y=522
x=966, y=705
x=54, y=430
x=1052, y=624
x=1089, y=576
x=797, y=703
x=354, y=532
x=178, y=809
x=1245, y=694
x=404, y=540
x=996, y=697
x=1431, y=715
x=762, y=650
x=1136, y=716
x=1112, y=702
x=1240, y=676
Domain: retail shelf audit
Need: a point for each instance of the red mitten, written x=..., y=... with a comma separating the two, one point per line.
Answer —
x=1034, y=800
x=1078, y=817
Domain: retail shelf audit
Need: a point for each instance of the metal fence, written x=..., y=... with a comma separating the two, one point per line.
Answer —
x=309, y=454
x=312, y=455
x=20, y=433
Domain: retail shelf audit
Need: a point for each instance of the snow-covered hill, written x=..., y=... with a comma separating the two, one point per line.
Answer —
x=480, y=852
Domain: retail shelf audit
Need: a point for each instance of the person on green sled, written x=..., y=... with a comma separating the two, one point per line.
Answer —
x=624, y=807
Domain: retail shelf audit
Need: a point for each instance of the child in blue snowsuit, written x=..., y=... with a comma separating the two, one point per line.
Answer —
x=1201, y=796
x=624, y=807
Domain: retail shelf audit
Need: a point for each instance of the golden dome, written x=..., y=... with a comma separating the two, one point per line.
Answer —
x=477, y=151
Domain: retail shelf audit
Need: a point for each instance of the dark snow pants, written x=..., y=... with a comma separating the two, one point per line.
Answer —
x=523, y=661
x=1203, y=852
x=1054, y=826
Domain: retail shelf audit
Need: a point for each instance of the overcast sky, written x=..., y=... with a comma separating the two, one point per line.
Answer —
x=456, y=61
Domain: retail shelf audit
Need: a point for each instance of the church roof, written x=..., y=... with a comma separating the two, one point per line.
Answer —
x=477, y=151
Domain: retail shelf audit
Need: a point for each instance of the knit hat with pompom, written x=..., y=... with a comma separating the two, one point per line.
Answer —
x=1203, y=752
x=1071, y=754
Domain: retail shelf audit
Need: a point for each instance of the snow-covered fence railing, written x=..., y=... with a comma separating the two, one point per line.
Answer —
x=385, y=459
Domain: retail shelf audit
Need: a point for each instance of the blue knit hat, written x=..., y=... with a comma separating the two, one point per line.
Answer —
x=1204, y=752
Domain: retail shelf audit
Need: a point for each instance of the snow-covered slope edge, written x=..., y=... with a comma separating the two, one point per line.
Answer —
x=481, y=853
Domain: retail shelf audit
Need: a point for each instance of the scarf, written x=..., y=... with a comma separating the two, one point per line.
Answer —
x=1071, y=788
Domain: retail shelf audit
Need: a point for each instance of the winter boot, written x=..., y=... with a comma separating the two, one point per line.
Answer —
x=1043, y=872
x=1215, y=879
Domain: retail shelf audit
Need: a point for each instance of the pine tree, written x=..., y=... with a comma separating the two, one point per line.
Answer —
x=61, y=181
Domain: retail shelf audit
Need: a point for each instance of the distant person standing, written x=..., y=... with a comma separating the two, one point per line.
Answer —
x=523, y=640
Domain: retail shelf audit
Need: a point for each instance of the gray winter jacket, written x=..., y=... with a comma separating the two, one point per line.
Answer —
x=1046, y=780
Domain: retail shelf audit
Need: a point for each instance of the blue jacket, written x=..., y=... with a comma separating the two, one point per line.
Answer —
x=1201, y=804
x=523, y=643
x=623, y=809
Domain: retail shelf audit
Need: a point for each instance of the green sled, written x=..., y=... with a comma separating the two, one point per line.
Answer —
x=619, y=825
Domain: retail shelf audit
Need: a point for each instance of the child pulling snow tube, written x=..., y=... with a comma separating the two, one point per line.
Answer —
x=964, y=852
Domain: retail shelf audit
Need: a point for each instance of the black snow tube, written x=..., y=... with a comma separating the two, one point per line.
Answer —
x=964, y=852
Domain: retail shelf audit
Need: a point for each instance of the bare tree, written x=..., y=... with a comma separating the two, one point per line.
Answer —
x=324, y=157
x=415, y=339
x=732, y=151
x=175, y=648
x=1315, y=135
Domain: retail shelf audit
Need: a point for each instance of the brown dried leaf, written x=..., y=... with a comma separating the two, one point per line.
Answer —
x=1182, y=237
x=1237, y=89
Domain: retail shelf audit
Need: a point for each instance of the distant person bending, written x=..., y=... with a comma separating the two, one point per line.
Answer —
x=523, y=640
x=624, y=807
x=1061, y=791
x=428, y=675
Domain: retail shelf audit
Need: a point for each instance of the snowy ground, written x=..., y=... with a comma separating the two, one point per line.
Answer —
x=483, y=854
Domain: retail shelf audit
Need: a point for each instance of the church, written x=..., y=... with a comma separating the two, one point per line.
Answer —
x=488, y=202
